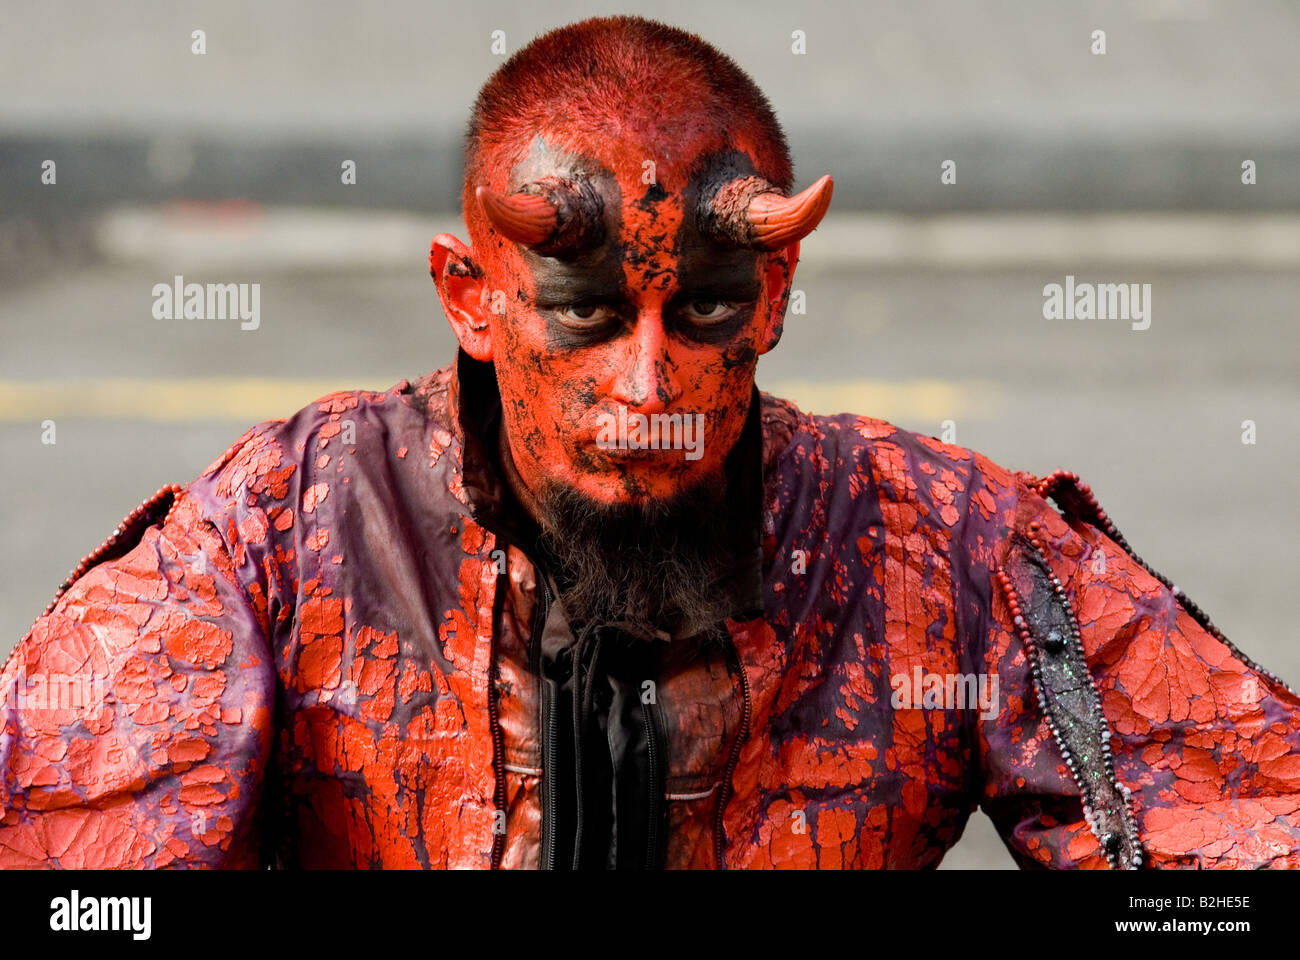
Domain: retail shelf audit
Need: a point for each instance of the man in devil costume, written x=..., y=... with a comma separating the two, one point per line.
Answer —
x=467, y=623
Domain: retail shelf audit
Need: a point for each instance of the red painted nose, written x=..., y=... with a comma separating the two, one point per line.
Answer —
x=646, y=380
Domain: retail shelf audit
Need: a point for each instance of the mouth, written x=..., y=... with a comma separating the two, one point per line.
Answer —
x=647, y=441
x=634, y=453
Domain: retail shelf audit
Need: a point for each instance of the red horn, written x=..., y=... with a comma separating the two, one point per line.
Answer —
x=527, y=218
x=750, y=212
x=552, y=216
x=779, y=221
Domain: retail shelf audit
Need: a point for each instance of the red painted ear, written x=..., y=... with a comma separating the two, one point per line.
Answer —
x=778, y=279
x=463, y=290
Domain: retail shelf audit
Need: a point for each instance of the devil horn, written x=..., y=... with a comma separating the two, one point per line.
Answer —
x=778, y=221
x=527, y=218
x=554, y=217
x=750, y=212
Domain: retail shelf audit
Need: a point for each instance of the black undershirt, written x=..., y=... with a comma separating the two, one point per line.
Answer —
x=609, y=742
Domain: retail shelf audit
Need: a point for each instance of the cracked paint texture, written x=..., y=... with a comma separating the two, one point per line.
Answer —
x=301, y=666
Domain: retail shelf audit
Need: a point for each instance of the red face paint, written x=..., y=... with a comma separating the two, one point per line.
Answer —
x=655, y=319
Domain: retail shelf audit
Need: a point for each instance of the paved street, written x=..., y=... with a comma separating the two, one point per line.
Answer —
x=924, y=301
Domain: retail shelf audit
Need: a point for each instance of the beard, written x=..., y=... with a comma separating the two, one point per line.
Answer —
x=654, y=569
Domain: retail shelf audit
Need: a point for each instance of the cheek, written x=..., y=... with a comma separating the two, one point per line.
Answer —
x=720, y=375
x=547, y=392
x=733, y=406
x=720, y=387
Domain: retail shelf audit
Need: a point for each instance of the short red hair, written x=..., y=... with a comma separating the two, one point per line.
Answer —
x=616, y=74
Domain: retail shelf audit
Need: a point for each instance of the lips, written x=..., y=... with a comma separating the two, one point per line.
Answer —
x=634, y=431
x=629, y=453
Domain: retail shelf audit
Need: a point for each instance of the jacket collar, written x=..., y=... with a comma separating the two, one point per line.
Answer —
x=473, y=413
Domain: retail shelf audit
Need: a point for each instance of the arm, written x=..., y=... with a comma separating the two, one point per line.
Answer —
x=1131, y=732
x=136, y=714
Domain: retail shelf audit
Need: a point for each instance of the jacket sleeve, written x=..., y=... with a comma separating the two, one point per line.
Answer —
x=1131, y=732
x=136, y=719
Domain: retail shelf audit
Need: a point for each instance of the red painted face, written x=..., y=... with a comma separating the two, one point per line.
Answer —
x=648, y=337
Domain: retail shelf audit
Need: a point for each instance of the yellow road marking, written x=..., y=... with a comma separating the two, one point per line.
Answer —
x=235, y=398
x=922, y=401
x=251, y=399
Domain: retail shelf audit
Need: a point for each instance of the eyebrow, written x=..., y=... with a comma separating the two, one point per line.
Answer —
x=732, y=279
x=557, y=284
x=557, y=290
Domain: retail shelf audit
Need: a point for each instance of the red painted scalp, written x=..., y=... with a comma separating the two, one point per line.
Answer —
x=583, y=84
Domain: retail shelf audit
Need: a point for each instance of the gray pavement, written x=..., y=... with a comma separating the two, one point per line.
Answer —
x=918, y=321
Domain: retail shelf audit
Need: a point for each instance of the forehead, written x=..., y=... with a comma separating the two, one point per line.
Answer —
x=675, y=163
x=652, y=237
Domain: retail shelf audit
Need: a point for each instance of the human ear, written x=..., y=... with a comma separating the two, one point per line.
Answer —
x=778, y=278
x=463, y=291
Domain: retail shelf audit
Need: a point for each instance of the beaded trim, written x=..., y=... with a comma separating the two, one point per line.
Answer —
x=1075, y=498
x=151, y=511
x=121, y=540
x=1044, y=618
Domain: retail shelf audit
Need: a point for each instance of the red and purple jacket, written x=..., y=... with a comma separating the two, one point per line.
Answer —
x=324, y=652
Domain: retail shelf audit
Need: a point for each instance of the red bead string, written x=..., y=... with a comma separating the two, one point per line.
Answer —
x=1076, y=498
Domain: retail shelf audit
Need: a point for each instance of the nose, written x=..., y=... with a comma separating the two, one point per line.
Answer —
x=647, y=379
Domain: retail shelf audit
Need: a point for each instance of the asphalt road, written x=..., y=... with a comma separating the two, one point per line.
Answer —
x=1150, y=418
x=878, y=91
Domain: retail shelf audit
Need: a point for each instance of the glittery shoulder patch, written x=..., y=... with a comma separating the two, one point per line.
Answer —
x=1044, y=618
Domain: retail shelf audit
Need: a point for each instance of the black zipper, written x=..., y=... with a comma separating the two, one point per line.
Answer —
x=583, y=688
x=494, y=726
x=648, y=715
x=724, y=792
x=549, y=800
x=549, y=726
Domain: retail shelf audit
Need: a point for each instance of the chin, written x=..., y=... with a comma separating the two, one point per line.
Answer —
x=642, y=484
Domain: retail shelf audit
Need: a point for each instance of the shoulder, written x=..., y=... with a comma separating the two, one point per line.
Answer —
x=269, y=462
x=913, y=476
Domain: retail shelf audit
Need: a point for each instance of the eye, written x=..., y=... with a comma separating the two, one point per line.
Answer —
x=709, y=311
x=584, y=315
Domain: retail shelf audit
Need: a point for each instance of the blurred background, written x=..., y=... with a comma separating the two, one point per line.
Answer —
x=924, y=299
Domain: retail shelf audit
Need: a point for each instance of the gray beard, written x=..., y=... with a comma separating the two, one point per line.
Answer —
x=653, y=570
